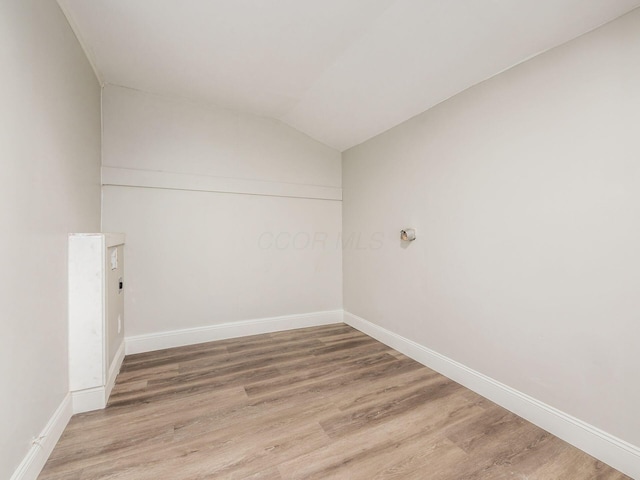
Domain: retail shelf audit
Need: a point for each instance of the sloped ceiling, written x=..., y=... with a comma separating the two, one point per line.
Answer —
x=342, y=71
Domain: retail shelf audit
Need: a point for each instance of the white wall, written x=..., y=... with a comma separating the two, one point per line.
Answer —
x=525, y=191
x=49, y=186
x=199, y=258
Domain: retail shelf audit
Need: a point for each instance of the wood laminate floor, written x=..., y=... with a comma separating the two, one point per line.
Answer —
x=316, y=403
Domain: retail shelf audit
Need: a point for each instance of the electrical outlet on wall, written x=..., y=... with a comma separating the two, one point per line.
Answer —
x=119, y=323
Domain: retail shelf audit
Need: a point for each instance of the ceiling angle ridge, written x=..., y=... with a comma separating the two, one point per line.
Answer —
x=66, y=11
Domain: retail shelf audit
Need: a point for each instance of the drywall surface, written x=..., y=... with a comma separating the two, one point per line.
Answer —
x=49, y=186
x=151, y=132
x=524, y=193
x=199, y=258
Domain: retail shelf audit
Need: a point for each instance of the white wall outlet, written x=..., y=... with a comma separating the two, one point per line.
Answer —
x=119, y=323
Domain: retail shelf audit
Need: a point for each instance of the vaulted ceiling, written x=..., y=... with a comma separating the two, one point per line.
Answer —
x=341, y=71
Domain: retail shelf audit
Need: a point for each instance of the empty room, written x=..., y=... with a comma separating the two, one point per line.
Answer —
x=338, y=239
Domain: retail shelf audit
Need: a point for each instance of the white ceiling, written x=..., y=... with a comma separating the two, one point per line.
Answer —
x=341, y=71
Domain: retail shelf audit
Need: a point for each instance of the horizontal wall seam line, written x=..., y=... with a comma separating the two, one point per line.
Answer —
x=122, y=177
x=222, y=191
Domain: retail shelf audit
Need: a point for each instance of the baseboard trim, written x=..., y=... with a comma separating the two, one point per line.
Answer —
x=96, y=398
x=114, y=369
x=191, y=336
x=601, y=445
x=88, y=399
x=34, y=461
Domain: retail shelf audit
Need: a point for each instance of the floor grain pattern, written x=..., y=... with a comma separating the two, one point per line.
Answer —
x=316, y=403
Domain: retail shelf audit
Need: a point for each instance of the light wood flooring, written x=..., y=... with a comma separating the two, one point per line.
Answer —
x=316, y=403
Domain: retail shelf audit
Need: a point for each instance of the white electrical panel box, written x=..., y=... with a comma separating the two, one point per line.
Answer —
x=96, y=313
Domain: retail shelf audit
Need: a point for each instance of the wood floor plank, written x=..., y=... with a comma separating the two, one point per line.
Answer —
x=324, y=402
x=422, y=427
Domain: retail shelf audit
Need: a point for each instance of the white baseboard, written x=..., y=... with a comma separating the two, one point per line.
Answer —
x=97, y=397
x=34, y=461
x=191, y=336
x=88, y=399
x=601, y=445
x=114, y=369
